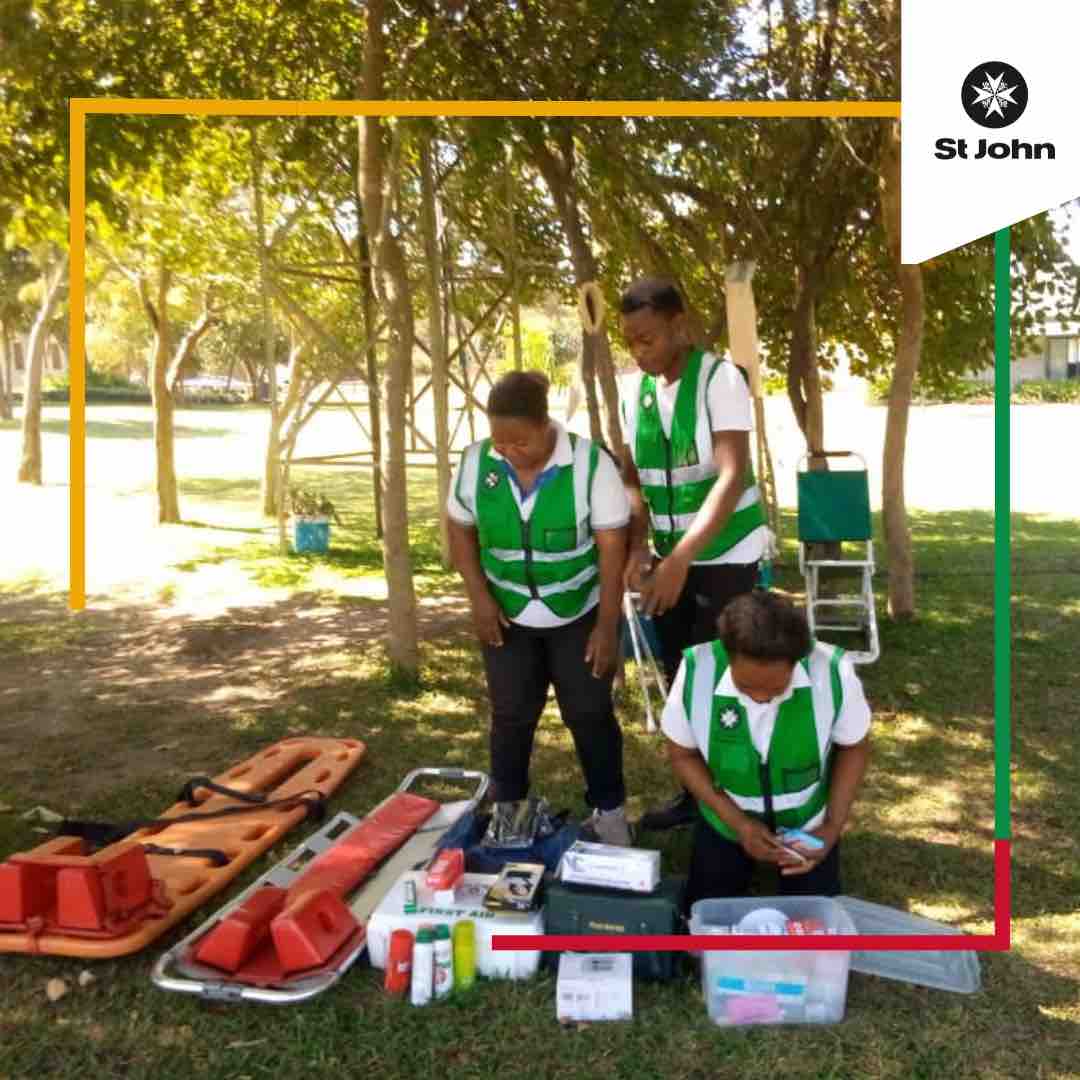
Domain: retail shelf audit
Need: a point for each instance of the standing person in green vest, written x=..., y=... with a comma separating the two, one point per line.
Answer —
x=538, y=521
x=768, y=731
x=687, y=418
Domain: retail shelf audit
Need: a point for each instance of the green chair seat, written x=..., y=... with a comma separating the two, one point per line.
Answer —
x=834, y=506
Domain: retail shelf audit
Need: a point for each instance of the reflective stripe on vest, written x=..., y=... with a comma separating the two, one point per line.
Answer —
x=677, y=471
x=793, y=782
x=550, y=556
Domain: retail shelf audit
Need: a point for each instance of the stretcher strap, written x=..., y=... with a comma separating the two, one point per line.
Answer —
x=103, y=833
x=187, y=792
x=215, y=855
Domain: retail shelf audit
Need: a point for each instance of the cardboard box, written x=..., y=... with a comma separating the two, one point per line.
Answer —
x=595, y=986
x=606, y=866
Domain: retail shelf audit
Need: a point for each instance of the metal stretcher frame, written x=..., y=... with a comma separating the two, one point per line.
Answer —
x=176, y=971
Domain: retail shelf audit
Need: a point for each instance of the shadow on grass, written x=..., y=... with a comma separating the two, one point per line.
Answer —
x=131, y=429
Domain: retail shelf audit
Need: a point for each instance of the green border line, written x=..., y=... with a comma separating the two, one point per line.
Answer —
x=1002, y=539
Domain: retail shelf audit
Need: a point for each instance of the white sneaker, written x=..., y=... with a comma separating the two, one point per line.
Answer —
x=610, y=826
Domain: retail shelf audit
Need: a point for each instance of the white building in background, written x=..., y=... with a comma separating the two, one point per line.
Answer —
x=1055, y=356
x=54, y=362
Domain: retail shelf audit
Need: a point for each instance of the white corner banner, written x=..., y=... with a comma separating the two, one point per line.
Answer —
x=989, y=126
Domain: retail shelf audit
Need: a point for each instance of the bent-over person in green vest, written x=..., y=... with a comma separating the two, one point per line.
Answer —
x=537, y=519
x=687, y=416
x=769, y=731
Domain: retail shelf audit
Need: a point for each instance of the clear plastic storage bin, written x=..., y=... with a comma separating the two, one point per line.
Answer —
x=773, y=987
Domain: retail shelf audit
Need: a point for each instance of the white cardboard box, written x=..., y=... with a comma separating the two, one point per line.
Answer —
x=606, y=866
x=468, y=904
x=595, y=986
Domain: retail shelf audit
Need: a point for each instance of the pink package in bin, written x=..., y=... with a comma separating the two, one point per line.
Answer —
x=758, y=1009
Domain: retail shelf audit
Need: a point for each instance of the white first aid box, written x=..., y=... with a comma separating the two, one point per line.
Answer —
x=595, y=986
x=468, y=904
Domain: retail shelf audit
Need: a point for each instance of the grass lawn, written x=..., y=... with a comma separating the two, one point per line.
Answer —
x=922, y=837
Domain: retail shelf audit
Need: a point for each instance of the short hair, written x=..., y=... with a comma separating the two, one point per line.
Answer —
x=521, y=395
x=764, y=626
x=660, y=294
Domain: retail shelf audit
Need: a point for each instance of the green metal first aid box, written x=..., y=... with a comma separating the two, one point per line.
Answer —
x=579, y=909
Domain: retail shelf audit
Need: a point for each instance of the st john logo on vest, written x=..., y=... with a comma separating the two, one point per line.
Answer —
x=994, y=95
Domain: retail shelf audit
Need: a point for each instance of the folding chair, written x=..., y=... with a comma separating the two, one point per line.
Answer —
x=834, y=508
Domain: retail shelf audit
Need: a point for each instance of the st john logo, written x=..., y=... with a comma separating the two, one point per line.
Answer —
x=994, y=94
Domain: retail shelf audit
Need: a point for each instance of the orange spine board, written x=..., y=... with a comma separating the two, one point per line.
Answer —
x=55, y=900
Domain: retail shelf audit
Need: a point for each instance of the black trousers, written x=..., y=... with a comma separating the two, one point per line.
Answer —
x=720, y=867
x=692, y=621
x=519, y=673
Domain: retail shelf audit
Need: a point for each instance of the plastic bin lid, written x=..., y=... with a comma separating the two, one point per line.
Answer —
x=946, y=970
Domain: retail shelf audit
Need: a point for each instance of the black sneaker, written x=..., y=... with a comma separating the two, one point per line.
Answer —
x=682, y=810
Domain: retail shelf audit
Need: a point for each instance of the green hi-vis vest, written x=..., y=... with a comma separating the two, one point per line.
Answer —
x=677, y=473
x=550, y=557
x=790, y=787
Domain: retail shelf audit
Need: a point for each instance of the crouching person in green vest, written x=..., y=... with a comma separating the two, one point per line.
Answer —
x=537, y=519
x=768, y=730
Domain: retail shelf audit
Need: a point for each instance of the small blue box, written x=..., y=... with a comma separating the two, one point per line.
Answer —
x=311, y=536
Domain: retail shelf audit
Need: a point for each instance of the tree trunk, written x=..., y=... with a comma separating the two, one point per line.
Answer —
x=271, y=478
x=7, y=373
x=30, y=460
x=272, y=471
x=559, y=177
x=804, y=376
x=161, y=396
x=251, y=369
x=908, y=352
x=374, y=388
x=588, y=383
x=440, y=384
x=392, y=282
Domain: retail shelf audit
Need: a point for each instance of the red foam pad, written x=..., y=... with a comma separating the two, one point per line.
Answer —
x=238, y=935
x=26, y=891
x=340, y=869
x=384, y=830
x=125, y=881
x=80, y=898
x=350, y=860
x=311, y=931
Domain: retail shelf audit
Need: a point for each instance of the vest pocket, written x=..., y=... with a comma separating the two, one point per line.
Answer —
x=560, y=539
x=732, y=765
x=795, y=779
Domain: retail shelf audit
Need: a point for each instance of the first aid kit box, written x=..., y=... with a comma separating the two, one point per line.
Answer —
x=773, y=986
x=468, y=903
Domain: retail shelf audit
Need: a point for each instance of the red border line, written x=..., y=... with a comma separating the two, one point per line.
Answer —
x=997, y=942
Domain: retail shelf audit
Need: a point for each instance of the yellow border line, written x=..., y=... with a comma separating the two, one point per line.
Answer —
x=80, y=108
x=77, y=360
x=196, y=107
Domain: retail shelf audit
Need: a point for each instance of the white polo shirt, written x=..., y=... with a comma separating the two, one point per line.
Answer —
x=609, y=509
